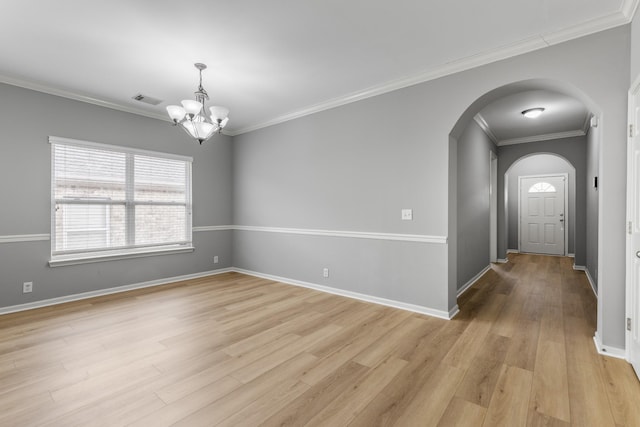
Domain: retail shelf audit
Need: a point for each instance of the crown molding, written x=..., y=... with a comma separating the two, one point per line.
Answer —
x=467, y=63
x=629, y=8
x=587, y=123
x=545, y=137
x=485, y=127
x=79, y=97
x=589, y=27
x=87, y=99
x=621, y=17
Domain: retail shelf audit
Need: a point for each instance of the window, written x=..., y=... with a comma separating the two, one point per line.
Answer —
x=542, y=187
x=84, y=226
x=109, y=202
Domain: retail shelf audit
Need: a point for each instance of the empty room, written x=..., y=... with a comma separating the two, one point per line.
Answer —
x=320, y=213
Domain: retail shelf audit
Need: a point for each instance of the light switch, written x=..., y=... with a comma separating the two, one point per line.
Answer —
x=407, y=214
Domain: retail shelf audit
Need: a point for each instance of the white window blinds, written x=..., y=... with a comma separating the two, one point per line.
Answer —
x=109, y=199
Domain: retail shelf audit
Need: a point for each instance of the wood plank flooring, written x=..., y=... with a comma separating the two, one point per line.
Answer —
x=234, y=350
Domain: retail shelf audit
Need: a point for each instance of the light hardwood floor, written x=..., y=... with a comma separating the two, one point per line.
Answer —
x=234, y=350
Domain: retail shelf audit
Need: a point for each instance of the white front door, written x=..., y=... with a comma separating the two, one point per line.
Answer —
x=542, y=214
x=633, y=236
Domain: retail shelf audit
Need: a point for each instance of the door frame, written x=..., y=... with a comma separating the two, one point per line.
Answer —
x=566, y=206
x=632, y=126
x=493, y=207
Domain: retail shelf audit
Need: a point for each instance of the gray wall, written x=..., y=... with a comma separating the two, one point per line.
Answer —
x=473, y=202
x=520, y=160
x=27, y=118
x=591, y=232
x=634, y=61
x=354, y=167
x=383, y=269
x=341, y=170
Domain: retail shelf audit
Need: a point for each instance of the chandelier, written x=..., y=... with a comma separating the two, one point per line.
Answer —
x=192, y=115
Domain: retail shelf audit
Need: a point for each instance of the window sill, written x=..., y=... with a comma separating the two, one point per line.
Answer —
x=61, y=261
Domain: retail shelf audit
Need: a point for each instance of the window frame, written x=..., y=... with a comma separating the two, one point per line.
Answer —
x=71, y=257
x=542, y=187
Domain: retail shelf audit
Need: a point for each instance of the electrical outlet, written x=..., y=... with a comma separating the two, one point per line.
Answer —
x=325, y=272
x=215, y=259
x=407, y=214
x=27, y=287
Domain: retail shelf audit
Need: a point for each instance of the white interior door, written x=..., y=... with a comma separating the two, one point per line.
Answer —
x=542, y=214
x=633, y=236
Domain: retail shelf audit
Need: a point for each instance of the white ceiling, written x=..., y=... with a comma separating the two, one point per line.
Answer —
x=563, y=116
x=270, y=61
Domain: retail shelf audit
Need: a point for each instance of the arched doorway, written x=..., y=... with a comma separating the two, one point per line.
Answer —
x=459, y=277
x=545, y=165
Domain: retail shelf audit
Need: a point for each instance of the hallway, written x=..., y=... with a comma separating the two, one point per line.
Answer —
x=541, y=317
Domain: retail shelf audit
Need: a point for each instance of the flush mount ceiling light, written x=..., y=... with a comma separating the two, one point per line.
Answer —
x=532, y=113
x=192, y=116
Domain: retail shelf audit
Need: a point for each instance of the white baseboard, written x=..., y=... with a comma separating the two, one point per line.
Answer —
x=355, y=295
x=589, y=278
x=605, y=350
x=473, y=280
x=502, y=260
x=591, y=282
x=362, y=297
x=571, y=255
x=108, y=291
x=454, y=311
x=513, y=251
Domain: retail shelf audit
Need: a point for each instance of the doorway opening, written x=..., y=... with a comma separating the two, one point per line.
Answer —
x=632, y=338
x=545, y=166
x=493, y=207
x=543, y=226
x=495, y=123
